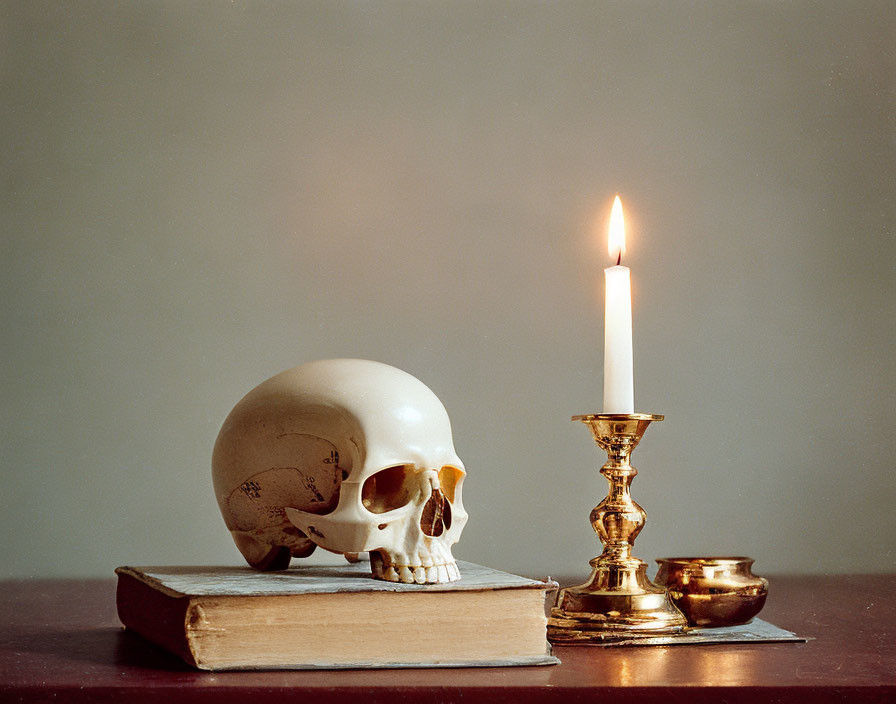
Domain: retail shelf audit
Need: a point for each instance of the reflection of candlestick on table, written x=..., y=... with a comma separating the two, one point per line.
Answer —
x=618, y=601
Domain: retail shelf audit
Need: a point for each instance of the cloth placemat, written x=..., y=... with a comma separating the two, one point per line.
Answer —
x=757, y=631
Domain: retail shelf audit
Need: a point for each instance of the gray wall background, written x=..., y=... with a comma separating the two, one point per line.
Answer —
x=196, y=196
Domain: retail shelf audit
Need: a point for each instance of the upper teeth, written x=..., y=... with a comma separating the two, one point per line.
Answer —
x=416, y=574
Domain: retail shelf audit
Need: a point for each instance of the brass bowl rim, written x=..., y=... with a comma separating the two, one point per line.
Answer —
x=618, y=416
x=711, y=561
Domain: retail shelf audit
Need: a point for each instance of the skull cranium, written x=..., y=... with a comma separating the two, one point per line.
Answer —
x=349, y=455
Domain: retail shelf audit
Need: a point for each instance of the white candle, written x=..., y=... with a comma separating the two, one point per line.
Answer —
x=619, y=384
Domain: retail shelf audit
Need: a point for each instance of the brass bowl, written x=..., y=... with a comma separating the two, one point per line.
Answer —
x=713, y=591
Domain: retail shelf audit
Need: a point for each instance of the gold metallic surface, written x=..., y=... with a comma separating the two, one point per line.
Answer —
x=713, y=591
x=618, y=601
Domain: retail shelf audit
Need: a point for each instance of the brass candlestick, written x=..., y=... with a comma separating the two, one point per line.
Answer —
x=617, y=602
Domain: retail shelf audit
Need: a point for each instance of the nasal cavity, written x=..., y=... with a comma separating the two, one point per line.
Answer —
x=432, y=521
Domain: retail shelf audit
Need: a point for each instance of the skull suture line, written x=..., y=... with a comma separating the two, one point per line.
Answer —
x=349, y=455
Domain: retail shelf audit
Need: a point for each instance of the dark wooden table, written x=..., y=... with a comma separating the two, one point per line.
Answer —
x=61, y=641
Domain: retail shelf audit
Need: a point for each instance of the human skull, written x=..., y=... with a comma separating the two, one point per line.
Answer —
x=348, y=454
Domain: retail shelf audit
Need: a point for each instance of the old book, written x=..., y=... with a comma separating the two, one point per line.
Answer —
x=234, y=618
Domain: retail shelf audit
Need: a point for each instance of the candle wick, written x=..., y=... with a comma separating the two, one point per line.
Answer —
x=619, y=258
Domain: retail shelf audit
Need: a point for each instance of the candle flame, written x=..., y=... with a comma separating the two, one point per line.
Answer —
x=616, y=241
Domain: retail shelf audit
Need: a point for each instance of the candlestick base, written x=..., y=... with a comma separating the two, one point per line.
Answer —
x=618, y=602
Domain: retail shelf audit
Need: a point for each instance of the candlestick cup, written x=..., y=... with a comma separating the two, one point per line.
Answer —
x=618, y=601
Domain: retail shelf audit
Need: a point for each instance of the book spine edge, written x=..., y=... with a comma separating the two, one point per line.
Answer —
x=157, y=616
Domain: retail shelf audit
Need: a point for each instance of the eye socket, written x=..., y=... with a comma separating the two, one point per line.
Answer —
x=388, y=489
x=449, y=479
